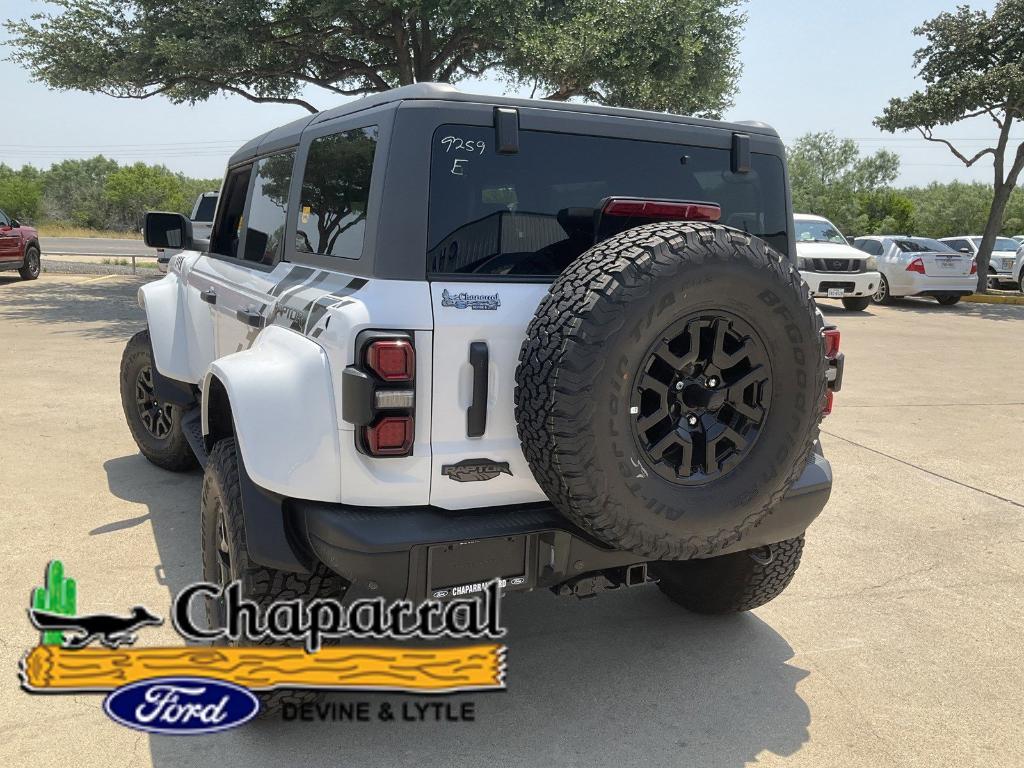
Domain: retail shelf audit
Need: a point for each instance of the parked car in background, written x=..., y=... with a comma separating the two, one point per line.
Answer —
x=1018, y=268
x=830, y=266
x=19, y=248
x=202, y=225
x=919, y=266
x=1019, y=239
x=1000, y=265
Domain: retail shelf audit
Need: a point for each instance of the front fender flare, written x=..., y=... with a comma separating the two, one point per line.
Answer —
x=285, y=420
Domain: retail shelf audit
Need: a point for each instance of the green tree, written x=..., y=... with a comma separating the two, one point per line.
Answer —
x=885, y=212
x=828, y=177
x=134, y=189
x=21, y=192
x=949, y=209
x=74, y=192
x=972, y=66
x=675, y=55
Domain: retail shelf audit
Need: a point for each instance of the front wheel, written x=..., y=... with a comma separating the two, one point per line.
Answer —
x=31, y=268
x=947, y=301
x=732, y=583
x=226, y=559
x=155, y=425
x=857, y=303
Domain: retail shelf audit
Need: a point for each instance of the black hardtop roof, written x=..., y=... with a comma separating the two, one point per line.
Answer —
x=288, y=135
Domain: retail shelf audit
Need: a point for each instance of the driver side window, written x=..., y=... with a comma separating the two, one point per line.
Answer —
x=227, y=230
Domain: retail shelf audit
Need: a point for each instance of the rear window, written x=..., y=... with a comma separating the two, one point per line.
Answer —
x=532, y=213
x=1001, y=244
x=205, y=208
x=923, y=245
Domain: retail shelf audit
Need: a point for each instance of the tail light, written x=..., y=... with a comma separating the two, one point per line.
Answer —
x=379, y=393
x=831, y=342
x=834, y=371
x=394, y=360
x=917, y=265
x=974, y=266
x=661, y=210
x=390, y=436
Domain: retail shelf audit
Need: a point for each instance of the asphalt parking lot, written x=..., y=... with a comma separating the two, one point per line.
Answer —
x=898, y=644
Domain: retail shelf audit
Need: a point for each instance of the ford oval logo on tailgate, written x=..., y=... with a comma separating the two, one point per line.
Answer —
x=181, y=705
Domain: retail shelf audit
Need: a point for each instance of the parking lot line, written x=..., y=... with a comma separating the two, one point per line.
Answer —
x=97, y=279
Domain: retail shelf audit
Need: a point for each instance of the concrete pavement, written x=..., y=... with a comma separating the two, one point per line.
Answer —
x=898, y=644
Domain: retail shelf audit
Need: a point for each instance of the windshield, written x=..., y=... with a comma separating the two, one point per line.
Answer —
x=813, y=231
x=1002, y=243
x=532, y=212
x=923, y=245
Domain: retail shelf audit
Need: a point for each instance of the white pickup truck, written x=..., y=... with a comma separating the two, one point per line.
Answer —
x=202, y=225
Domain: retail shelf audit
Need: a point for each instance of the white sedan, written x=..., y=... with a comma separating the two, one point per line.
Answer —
x=920, y=266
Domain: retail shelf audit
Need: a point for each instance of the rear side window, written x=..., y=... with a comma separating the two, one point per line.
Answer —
x=533, y=212
x=205, y=208
x=872, y=247
x=268, y=209
x=335, y=192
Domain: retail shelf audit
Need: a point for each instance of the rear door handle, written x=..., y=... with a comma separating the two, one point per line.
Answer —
x=209, y=296
x=250, y=317
x=476, y=416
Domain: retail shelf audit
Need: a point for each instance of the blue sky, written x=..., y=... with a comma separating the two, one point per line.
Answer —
x=808, y=65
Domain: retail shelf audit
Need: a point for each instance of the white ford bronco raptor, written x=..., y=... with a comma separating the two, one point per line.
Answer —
x=437, y=339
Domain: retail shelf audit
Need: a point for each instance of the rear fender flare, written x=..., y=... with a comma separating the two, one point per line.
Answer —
x=284, y=415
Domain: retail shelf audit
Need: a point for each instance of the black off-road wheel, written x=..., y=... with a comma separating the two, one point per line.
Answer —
x=226, y=559
x=857, y=303
x=732, y=583
x=155, y=425
x=670, y=388
x=32, y=265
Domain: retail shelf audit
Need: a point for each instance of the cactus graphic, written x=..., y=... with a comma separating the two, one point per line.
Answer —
x=58, y=596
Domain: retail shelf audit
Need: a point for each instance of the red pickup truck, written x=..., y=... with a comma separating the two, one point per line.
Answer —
x=19, y=248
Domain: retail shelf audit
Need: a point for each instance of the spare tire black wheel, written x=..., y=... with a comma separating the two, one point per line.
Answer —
x=670, y=388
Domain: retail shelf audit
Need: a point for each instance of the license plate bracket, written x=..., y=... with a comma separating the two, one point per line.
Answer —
x=836, y=293
x=464, y=567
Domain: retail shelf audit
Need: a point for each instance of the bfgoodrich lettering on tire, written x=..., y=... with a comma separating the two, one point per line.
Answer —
x=670, y=388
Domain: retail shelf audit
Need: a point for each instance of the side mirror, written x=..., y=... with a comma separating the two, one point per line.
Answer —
x=15, y=223
x=850, y=239
x=965, y=249
x=171, y=231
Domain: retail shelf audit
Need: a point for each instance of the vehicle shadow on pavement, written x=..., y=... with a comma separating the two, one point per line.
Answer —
x=173, y=502
x=624, y=678
x=98, y=310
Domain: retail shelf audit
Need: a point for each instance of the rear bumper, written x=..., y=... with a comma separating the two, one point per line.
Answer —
x=423, y=552
x=853, y=284
x=933, y=285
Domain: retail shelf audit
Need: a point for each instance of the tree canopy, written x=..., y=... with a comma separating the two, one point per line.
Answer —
x=972, y=65
x=677, y=55
x=830, y=178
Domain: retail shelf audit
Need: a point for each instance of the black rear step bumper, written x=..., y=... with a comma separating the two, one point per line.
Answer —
x=421, y=552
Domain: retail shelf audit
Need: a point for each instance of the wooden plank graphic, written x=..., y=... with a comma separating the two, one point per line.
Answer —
x=50, y=668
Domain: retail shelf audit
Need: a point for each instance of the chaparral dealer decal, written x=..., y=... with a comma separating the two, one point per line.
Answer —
x=203, y=689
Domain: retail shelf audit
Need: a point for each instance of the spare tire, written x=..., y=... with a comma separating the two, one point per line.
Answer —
x=670, y=388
